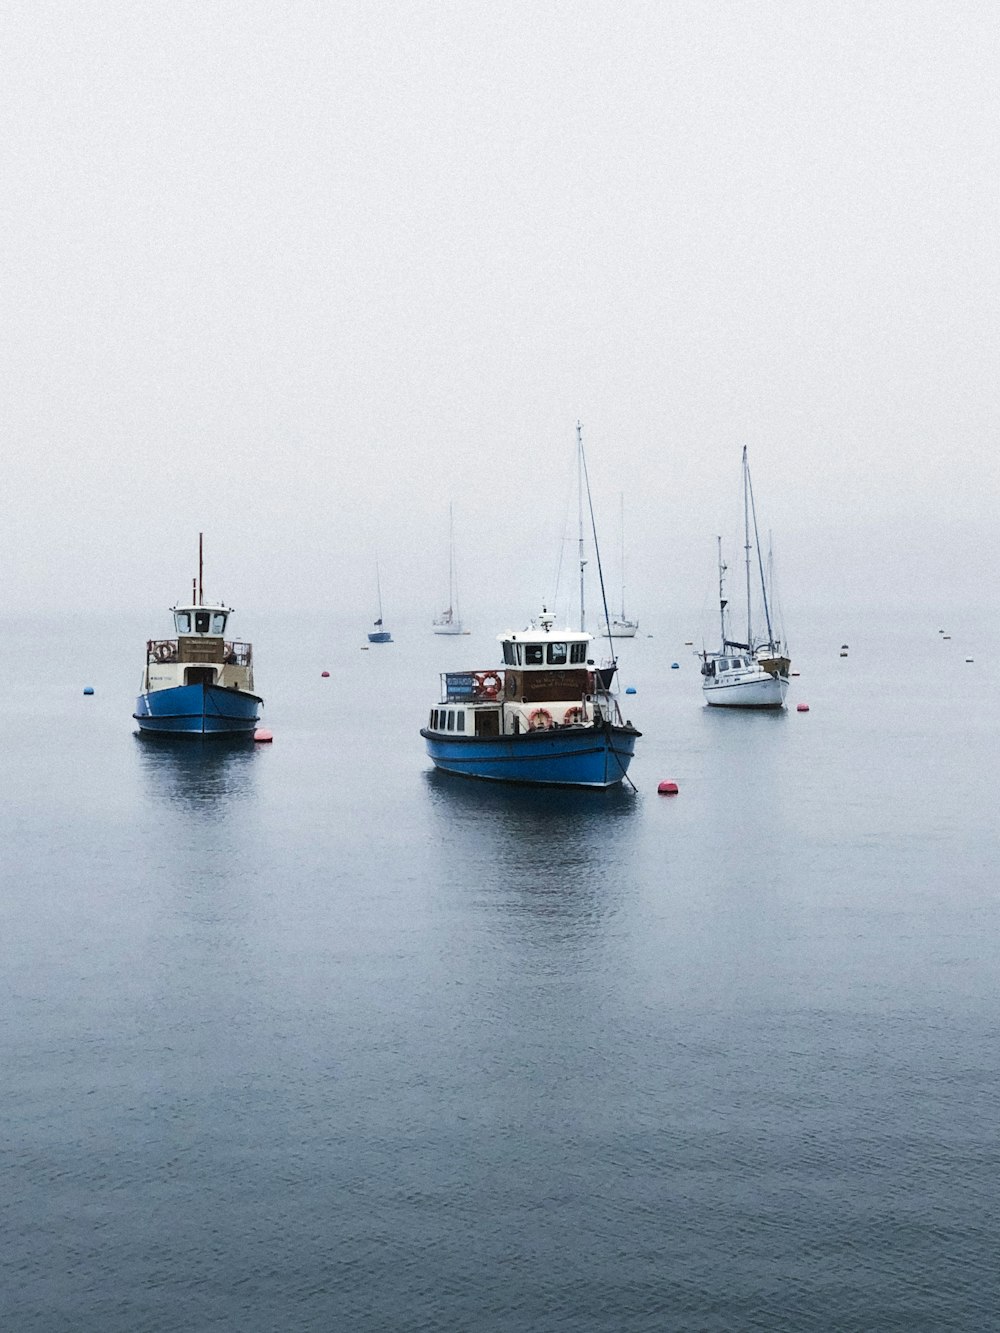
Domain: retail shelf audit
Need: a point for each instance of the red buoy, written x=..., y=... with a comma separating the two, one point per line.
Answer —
x=261, y=735
x=325, y=674
x=802, y=708
x=668, y=789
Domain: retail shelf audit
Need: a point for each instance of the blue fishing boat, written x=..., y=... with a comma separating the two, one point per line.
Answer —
x=199, y=683
x=548, y=717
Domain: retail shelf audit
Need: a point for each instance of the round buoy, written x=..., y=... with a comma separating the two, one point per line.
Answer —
x=630, y=690
x=325, y=675
x=263, y=736
x=88, y=689
x=802, y=708
x=668, y=789
x=675, y=666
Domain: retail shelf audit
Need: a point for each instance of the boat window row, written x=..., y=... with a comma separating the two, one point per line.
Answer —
x=447, y=719
x=733, y=663
x=540, y=654
x=205, y=622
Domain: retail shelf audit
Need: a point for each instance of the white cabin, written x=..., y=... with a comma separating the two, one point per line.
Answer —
x=201, y=654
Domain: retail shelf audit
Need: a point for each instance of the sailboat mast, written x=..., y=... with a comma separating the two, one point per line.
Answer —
x=451, y=559
x=201, y=589
x=621, y=499
x=746, y=542
x=579, y=494
x=378, y=591
x=722, y=600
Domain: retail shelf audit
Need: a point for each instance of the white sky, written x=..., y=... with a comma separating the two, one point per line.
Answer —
x=298, y=274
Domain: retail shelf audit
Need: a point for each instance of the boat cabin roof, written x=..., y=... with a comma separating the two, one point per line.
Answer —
x=541, y=631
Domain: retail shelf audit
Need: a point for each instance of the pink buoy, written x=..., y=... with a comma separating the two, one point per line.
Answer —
x=802, y=708
x=668, y=789
x=325, y=675
x=261, y=735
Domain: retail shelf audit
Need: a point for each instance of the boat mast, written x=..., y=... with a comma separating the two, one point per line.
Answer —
x=378, y=592
x=579, y=494
x=746, y=541
x=201, y=589
x=451, y=560
x=722, y=600
x=621, y=499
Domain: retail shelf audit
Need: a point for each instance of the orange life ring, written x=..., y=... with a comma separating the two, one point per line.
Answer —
x=539, y=719
x=572, y=715
x=488, y=684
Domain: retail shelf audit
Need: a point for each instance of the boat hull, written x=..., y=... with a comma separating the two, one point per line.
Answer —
x=620, y=630
x=763, y=691
x=197, y=710
x=562, y=757
x=380, y=636
x=452, y=627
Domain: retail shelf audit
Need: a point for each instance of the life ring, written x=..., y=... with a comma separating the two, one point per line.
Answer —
x=488, y=684
x=539, y=719
x=165, y=652
x=573, y=715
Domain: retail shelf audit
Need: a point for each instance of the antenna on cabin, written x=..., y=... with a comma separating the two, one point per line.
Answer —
x=201, y=589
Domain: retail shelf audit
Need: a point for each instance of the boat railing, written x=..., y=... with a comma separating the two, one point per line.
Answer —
x=166, y=650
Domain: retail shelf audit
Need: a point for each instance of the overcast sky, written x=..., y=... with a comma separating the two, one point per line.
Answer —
x=300, y=274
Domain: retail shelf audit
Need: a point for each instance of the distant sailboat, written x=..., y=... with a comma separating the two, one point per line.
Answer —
x=379, y=634
x=621, y=626
x=753, y=673
x=449, y=621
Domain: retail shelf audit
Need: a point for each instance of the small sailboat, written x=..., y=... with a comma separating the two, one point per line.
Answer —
x=379, y=634
x=752, y=673
x=449, y=621
x=548, y=717
x=200, y=683
x=621, y=627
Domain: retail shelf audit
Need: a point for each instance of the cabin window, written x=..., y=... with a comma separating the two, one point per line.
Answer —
x=578, y=652
x=460, y=722
x=202, y=620
x=534, y=654
x=451, y=720
x=508, y=655
x=557, y=654
x=219, y=622
x=723, y=663
x=182, y=621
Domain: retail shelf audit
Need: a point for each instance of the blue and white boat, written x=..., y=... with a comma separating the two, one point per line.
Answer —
x=547, y=718
x=200, y=683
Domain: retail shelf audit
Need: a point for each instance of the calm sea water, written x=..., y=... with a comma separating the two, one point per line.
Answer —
x=307, y=1037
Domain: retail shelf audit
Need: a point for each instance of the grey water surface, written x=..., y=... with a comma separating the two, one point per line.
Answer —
x=305, y=1036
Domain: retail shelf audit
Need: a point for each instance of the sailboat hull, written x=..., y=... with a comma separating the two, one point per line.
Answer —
x=451, y=627
x=380, y=636
x=757, y=691
x=571, y=757
x=620, y=629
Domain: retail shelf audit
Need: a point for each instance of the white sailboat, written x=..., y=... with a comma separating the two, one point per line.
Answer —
x=449, y=621
x=753, y=673
x=378, y=633
x=621, y=626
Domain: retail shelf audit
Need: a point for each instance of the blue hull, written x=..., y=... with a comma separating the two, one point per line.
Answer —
x=197, y=710
x=561, y=758
x=380, y=636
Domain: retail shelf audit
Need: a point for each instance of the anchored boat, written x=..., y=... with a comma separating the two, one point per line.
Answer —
x=752, y=673
x=378, y=633
x=199, y=683
x=449, y=621
x=548, y=717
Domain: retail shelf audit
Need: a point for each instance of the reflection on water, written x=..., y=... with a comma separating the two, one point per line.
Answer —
x=555, y=853
x=196, y=771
